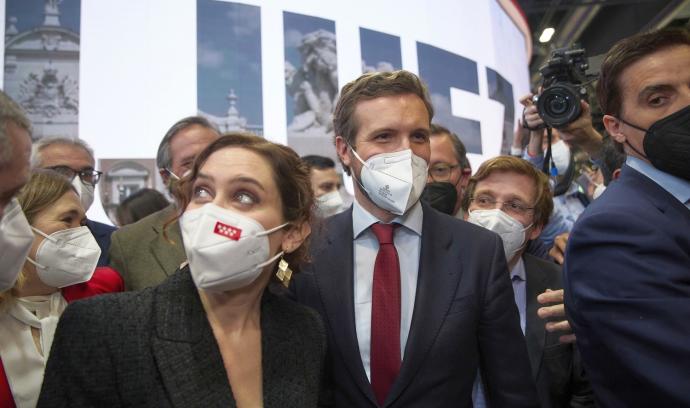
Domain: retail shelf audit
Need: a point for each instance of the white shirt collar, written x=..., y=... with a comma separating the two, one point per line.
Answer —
x=362, y=219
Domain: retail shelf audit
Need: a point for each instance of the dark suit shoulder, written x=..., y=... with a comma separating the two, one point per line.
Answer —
x=109, y=308
x=99, y=228
x=633, y=196
x=550, y=272
x=295, y=314
x=147, y=224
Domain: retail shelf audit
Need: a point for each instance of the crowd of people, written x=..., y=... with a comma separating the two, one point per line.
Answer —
x=556, y=276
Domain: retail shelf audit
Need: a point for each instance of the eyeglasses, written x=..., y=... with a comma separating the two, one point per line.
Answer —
x=87, y=176
x=512, y=207
x=440, y=172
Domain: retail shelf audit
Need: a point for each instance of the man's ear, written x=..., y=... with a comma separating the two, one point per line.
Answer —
x=616, y=173
x=342, y=149
x=536, y=231
x=613, y=127
x=295, y=236
x=164, y=175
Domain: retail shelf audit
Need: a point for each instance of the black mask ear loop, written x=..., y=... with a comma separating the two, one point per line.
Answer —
x=626, y=139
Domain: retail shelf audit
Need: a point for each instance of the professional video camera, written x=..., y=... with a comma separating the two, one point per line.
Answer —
x=564, y=84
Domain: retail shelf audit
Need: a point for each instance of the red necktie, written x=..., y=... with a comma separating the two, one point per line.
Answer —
x=385, y=314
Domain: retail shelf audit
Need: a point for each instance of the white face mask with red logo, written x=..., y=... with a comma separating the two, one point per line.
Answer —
x=225, y=250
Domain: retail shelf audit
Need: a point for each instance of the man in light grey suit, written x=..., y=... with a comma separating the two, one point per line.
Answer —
x=146, y=252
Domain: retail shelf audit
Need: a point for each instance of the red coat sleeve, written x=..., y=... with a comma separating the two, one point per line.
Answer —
x=104, y=280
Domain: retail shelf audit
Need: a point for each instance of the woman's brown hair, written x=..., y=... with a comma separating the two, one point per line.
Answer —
x=290, y=173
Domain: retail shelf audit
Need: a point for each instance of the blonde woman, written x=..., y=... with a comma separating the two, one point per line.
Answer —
x=60, y=268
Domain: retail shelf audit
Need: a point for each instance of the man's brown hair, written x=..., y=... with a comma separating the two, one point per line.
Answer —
x=543, y=203
x=371, y=86
x=625, y=53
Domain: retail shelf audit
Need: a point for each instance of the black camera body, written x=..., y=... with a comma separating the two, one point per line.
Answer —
x=564, y=80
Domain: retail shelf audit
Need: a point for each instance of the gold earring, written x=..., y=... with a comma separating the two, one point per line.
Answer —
x=284, y=273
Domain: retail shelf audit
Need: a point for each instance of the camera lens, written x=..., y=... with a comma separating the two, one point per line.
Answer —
x=559, y=105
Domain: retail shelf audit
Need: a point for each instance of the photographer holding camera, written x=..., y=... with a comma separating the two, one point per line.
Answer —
x=561, y=112
x=580, y=133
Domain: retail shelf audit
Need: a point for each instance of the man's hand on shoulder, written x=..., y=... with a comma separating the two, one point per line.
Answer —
x=558, y=250
x=554, y=309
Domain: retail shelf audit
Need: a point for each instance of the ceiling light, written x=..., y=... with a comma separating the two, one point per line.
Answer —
x=546, y=35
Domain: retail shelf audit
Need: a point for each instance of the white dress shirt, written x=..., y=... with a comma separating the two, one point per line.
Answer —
x=24, y=363
x=408, y=242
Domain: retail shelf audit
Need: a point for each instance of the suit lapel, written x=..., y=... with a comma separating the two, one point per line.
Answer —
x=335, y=280
x=184, y=348
x=662, y=199
x=169, y=253
x=535, y=332
x=438, y=276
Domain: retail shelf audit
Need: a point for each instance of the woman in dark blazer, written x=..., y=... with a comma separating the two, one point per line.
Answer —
x=212, y=334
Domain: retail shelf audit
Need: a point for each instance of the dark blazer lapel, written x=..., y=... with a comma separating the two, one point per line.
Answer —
x=535, y=332
x=335, y=280
x=437, y=281
x=184, y=348
x=169, y=253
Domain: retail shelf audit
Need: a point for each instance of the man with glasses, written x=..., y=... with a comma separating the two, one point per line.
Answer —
x=75, y=160
x=148, y=251
x=449, y=172
x=512, y=198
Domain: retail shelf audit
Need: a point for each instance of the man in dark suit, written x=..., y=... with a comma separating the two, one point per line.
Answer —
x=148, y=251
x=414, y=300
x=512, y=198
x=75, y=159
x=627, y=264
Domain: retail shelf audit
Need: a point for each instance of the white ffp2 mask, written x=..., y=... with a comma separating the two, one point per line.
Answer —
x=393, y=181
x=329, y=204
x=225, y=250
x=85, y=192
x=560, y=154
x=66, y=257
x=15, y=243
x=511, y=231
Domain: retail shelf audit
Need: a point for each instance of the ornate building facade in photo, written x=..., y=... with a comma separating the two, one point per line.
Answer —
x=42, y=70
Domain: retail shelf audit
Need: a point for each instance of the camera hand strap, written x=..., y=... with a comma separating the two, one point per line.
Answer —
x=548, y=166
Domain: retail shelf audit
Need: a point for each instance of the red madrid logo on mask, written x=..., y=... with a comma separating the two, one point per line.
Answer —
x=227, y=231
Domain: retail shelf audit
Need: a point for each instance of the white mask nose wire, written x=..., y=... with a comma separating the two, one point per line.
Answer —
x=383, y=172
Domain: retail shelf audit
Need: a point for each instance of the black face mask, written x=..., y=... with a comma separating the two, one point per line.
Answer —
x=441, y=196
x=667, y=143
